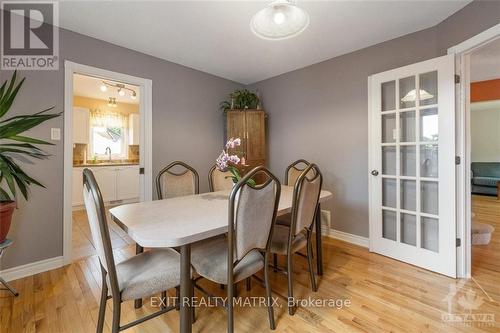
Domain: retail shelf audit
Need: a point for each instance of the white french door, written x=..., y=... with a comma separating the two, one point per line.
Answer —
x=412, y=164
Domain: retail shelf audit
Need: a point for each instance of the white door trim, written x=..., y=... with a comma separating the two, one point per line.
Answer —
x=145, y=86
x=462, y=53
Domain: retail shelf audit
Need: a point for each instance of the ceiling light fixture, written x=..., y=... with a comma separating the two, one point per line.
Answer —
x=411, y=96
x=121, y=89
x=281, y=19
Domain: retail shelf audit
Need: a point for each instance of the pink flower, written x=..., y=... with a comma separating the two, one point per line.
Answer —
x=221, y=161
x=231, y=143
x=234, y=159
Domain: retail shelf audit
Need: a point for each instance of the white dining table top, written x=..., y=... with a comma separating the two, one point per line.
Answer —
x=185, y=220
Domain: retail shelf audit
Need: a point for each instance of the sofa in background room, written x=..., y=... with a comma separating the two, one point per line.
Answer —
x=485, y=177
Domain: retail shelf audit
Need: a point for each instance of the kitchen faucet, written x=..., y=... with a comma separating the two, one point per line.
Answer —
x=108, y=151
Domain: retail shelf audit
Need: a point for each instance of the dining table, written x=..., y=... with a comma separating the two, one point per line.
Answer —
x=182, y=221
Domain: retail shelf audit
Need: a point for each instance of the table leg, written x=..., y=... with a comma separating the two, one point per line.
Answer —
x=138, y=302
x=319, y=251
x=186, y=297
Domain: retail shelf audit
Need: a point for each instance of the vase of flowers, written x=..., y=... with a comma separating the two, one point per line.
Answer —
x=229, y=162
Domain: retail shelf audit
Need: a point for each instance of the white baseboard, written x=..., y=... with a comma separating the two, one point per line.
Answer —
x=33, y=268
x=347, y=237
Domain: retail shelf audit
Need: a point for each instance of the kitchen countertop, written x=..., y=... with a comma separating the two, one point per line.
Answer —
x=105, y=164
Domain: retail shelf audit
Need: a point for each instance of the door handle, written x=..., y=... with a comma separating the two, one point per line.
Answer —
x=375, y=172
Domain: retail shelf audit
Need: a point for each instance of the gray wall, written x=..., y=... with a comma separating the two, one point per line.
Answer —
x=320, y=112
x=187, y=125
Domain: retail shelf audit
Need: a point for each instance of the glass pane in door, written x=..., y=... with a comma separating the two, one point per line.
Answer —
x=429, y=125
x=408, y=160
x=388, y=96
x=429, y=237
x=389, y=128
x=428, y=88
x=389, y=160
x=408, y=195
x=389, y=192
x=409, y=229
x=389, y=224
x=407, y=126
x=407, y=92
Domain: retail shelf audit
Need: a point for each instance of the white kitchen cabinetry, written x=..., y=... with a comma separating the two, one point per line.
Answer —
x=81, y=123
x=134, y=128
x=127, y=182
x=106, y=179
x=115, y=183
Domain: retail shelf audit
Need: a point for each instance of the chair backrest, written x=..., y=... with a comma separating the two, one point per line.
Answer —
x=219, y=180
x=176, y=180
x=96, y=215
x=294, y=170
x=306, y=194
x=252, y=213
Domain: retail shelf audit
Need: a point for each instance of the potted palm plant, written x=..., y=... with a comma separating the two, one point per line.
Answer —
x=13, y=146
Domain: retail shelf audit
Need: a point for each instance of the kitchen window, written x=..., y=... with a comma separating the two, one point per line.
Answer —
x=108, y=130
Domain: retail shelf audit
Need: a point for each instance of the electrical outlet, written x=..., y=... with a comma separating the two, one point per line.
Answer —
x=55, y=134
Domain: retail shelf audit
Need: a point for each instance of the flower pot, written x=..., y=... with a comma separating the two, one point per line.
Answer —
x=6, y=210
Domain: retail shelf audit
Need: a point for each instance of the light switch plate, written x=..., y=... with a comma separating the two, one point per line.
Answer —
x=55, y=134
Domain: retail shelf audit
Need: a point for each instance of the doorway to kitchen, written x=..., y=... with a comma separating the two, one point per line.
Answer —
x=107, y=129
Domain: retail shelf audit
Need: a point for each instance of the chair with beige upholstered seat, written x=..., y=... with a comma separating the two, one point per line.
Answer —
x=141, y=276
x=176, y=180
x=244, y=252
x=287, y=240
x=219, y=180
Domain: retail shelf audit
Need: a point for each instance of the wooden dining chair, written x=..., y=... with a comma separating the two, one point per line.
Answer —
x=219, y=180
x=143, y=275
x=244, y=252
x=287, y=240
x=177, y=179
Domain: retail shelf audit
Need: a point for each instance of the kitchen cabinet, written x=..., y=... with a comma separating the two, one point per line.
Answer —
x=106, y=179
x=77, y=186
x=81, y=123
x=127, y=182
x=115, y=183
x=134, y=127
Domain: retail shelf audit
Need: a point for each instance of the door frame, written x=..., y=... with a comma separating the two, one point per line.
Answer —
x=462, y=53
x=145, y=149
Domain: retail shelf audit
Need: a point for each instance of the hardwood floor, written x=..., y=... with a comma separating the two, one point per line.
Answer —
x=384, y=295
x=486, y=258
x=83, y=245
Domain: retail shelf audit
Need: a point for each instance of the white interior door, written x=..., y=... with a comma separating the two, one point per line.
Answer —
x=412, y=164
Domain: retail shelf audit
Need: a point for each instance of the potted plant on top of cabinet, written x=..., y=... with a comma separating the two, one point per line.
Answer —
x=15, y=146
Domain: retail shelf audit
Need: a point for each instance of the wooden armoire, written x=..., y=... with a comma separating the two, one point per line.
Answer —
x=250, y=127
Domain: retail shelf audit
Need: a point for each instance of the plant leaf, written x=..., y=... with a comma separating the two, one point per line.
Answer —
x=30, y=140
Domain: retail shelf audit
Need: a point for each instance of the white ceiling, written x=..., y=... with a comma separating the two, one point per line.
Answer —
x=215, y=37
x=485, y=62
x=89, y=86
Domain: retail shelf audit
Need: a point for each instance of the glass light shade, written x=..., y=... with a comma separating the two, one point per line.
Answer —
x=103, y=88
x=279, y=20
x=411, y=96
